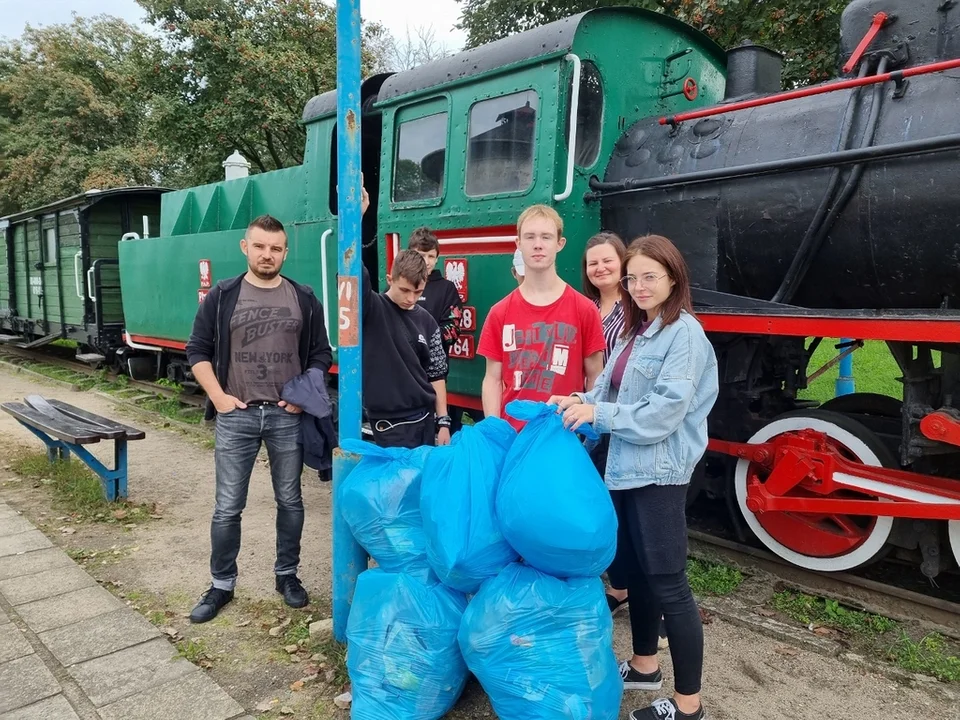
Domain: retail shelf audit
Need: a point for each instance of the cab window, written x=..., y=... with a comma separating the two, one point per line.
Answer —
x=418, y=165
x=589, y=115
x=500, y=152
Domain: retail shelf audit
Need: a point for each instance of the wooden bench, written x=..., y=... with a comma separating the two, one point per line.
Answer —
x=65, y=429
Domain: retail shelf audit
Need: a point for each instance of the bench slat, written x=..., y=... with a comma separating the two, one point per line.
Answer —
x=44, y=407
x=132, y=433
x=53, y=427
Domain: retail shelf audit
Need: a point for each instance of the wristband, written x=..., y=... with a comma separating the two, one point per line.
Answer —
x=444, y=421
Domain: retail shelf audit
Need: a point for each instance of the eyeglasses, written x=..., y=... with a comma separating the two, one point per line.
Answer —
x=648, y=281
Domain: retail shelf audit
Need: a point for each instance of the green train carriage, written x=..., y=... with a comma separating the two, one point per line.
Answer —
x=461, y=145
x=59, y=274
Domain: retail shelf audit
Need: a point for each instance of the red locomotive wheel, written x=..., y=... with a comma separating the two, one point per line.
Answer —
x=830, y=543
x=953, y=530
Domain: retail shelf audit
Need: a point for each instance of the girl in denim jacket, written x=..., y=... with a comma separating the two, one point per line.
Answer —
x=653, y=398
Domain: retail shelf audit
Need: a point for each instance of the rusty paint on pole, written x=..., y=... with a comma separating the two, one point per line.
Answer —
x=349, y=559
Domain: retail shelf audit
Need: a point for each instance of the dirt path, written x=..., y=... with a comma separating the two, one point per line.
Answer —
x=162, y=566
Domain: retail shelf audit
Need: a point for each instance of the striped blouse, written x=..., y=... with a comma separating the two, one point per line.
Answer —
x=612, y=327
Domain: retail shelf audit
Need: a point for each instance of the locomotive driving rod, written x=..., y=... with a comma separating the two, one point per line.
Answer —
x=874, y=153
x=897, y=76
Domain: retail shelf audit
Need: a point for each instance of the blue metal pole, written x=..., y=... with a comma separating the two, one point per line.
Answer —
x=846, y=385
x=349, y=559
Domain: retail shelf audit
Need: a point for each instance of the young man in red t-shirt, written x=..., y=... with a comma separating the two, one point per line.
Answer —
x=544, y=338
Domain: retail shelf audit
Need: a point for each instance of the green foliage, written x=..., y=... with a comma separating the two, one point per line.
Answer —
x=807, y=32
x=73, y=484
x=70, y=119
x=930, y=655
x=99, y=104
x=824, y=611
x=707, y=578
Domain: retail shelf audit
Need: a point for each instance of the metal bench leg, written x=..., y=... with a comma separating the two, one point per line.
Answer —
x=114, y=481
x=56, y=449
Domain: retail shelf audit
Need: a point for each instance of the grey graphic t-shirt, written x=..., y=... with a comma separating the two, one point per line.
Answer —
x=264, y=342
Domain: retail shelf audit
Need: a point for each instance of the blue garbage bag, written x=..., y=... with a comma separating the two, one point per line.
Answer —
x=380, y=501
x=458, y=505
x=542, y=647
x=403, y=657
x=552, y=504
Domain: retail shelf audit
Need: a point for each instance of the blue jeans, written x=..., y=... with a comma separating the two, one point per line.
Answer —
x=238, y=437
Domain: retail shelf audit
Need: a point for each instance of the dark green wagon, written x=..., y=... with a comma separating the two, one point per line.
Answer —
x=59, y=268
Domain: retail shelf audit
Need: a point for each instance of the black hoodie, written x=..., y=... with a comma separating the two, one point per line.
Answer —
x=441, y=299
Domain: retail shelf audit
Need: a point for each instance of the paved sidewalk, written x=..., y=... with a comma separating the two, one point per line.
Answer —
x=69, y=649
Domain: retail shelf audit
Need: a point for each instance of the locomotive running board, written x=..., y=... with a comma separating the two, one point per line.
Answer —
x=900, y=493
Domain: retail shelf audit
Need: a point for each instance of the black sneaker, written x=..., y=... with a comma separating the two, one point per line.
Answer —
x=210, y=604
x=292, y=590
x=666, y=709
x=617, y=605
x=633, y=680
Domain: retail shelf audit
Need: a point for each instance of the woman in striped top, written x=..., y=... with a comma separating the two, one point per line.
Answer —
x=602, y=262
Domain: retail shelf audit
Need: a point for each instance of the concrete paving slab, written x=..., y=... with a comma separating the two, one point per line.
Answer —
x=3, y=617
x=194, y=696
x=14, y=524
x=49, y=583
x=36, y=561
x=54, y=708
x=126, y=672
x=13, y=644
x=24, y=681
x=66, y=609
x=98, y=636
x=23, y=542
x=7, y=511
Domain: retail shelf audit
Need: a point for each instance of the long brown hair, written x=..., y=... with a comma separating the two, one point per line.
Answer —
x=657, y=247
x=602, y=238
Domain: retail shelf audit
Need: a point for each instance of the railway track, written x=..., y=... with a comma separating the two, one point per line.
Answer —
x=853, y=589
x=136, y=391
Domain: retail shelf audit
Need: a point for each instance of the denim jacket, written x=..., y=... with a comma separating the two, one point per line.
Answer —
x=658, y=422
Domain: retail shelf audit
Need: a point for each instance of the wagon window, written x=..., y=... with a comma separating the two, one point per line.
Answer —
x=419, y=162
x=501, y=149
x=50, y=247
x=589, y=115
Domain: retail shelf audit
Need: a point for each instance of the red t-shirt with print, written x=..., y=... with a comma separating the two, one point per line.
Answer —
x=542, y=347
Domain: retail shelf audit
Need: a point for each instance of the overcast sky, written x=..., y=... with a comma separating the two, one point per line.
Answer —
x=395, y=14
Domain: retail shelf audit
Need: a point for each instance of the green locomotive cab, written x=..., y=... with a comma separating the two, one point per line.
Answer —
x=461, y=145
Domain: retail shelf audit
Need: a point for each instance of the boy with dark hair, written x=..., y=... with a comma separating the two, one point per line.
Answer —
x=440, y=297
x=404, y=361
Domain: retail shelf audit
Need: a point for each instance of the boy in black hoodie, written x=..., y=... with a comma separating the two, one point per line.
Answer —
x=440, y=297
x=404, y=362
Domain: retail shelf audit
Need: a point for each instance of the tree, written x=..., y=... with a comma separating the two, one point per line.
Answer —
x=413, y=50
x=71, y=112
x=236, y=74
x=807, y=32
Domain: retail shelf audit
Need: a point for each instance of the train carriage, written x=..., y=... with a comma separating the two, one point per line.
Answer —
x=59, y=274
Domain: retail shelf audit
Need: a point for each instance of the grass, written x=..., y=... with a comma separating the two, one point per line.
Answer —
x=76, y=489
x=930, y=655
x=874, y=370
x=708, y=578
x=194, y=650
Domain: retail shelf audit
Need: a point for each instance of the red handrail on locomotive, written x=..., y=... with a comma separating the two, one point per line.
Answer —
x=815, y=90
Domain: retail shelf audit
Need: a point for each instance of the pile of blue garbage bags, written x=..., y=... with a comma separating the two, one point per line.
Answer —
x=488, y=553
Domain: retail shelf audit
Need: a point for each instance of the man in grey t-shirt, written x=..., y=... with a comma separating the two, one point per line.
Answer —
x=252, y=334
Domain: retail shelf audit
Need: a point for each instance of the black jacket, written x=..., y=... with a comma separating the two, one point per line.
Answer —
x=441, y=299
x=317, y=432
x=210, y=338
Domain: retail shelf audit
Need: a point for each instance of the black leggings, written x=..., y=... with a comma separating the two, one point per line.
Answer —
x=652, y=552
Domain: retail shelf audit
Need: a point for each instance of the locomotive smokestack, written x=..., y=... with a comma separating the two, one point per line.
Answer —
x=752, y=70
